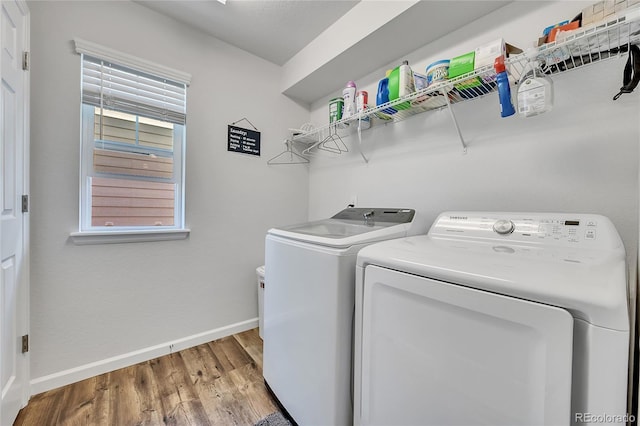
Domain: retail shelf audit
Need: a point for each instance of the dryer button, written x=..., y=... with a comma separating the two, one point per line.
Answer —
x=504, y=227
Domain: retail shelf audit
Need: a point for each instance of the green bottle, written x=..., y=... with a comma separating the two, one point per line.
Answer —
x=401, y=84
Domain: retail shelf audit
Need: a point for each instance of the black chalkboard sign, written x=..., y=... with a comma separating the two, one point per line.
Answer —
x=244, y=141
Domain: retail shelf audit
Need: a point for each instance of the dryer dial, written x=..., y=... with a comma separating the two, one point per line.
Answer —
x=504, y=227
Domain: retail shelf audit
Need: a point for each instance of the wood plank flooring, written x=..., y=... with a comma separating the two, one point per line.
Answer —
x=217, y=383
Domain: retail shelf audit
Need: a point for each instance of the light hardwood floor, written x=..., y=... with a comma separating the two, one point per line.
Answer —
x=217, y=383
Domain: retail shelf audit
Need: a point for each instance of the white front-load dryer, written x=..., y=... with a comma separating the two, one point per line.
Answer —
x=494, y=319
x=309, y=308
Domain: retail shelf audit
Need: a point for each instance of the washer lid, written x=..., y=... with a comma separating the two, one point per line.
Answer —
x=558, y=267
x=351, y=226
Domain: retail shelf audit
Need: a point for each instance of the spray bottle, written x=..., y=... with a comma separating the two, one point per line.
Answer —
x=349, y=96
x=504, y=90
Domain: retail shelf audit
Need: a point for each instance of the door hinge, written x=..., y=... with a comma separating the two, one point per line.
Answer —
x=25, y=61
x=25, y=343
x=25, y=203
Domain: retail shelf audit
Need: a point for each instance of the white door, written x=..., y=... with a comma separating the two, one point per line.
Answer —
x=13, y=222
x=435, y=353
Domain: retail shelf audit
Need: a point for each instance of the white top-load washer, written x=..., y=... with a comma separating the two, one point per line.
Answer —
x=494, y=319
x=309, y=308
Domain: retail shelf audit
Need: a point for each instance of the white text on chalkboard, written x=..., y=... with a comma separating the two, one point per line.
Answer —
x=244, y=141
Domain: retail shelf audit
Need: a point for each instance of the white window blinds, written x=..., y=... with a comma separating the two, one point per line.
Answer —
x=133, y=140
x=119, y=88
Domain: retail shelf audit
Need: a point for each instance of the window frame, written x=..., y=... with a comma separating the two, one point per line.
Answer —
x=88, y=234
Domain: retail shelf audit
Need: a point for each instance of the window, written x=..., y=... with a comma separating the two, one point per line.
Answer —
x=133, y=144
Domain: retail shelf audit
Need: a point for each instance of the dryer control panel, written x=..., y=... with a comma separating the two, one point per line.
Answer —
x=587, y=230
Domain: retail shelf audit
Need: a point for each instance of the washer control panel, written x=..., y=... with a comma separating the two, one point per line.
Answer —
x=544, y=228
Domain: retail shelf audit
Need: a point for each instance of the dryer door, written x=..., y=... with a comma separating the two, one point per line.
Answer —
x=435, y=353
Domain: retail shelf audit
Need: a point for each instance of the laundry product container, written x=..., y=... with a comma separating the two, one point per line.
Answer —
x=260, y=273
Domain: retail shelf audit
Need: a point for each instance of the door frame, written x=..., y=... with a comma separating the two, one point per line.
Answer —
x=24, y=281
x=26, y=190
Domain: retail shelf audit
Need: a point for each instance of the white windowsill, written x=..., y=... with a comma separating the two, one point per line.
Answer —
x=137, y=236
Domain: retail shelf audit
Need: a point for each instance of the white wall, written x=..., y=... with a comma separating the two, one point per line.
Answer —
x=580, y=157
x=92, y=303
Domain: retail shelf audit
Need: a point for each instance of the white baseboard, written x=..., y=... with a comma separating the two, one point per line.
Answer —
x=76, y=374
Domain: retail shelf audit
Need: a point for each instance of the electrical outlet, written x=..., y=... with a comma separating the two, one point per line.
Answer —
x=353, y=200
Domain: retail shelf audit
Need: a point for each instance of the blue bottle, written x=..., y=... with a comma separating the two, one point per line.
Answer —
x=504, y=90
x=382, y=97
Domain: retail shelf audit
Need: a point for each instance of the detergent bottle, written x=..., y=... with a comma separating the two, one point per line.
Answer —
x=382, y=96
x=504, y=89
x=401, y=84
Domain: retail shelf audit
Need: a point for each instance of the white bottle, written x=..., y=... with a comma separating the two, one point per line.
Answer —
x=407, y=84
x=535, y=93
x=349, y=95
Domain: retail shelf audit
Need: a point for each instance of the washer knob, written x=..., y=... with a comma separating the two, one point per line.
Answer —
x=504, y=227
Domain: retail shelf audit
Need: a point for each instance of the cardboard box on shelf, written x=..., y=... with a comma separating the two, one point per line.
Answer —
x=620, y=6
x=463, y=64
x=609, y=7
x=593, y=13
x=481, y=57
x=568, y=27
x=419, y=81
x=605, y=9
x=587, y=15
x=598, y=16
x=598, y=7
x=486, y=55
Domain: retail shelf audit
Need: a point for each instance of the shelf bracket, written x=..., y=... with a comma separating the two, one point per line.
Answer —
x=366, y=160
x=455, y=123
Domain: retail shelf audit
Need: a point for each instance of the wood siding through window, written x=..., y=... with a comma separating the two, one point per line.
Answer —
x=124, y=130
x=115, y=129
x=129, y=163
x=124, y=202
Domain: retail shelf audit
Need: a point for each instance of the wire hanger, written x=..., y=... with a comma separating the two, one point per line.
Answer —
x=332, y=143
x=289, y=156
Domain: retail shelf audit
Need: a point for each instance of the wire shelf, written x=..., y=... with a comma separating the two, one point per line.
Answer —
x=583, y=46
x=572, y=49
x=469, y=86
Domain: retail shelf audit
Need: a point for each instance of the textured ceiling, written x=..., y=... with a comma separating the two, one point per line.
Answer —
x=278, y=30
x=274, y=30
